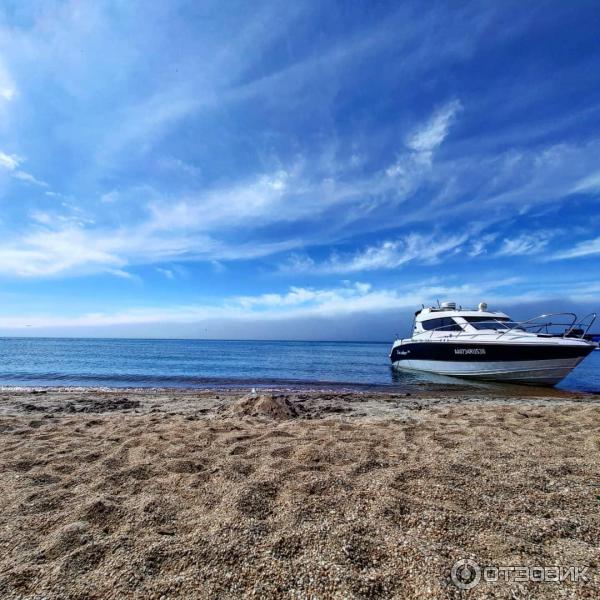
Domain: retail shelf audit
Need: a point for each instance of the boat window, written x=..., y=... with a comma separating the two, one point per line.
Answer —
x=495, y=323
x=444, y=324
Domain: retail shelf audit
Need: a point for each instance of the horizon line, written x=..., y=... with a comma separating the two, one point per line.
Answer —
x=180, y=339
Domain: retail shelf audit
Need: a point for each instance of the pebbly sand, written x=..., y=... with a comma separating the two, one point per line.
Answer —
x=217, y=494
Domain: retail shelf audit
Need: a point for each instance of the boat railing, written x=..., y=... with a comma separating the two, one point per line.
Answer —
x=592, y=319
x=534, y=325
x=572, y=327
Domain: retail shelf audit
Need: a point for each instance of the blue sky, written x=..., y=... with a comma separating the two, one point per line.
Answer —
x=268, y=169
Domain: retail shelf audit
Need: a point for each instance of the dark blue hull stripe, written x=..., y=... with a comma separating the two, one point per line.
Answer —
x=451, y=351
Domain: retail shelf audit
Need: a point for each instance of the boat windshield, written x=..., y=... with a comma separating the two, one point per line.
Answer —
x=443, y=324
x=496, y=323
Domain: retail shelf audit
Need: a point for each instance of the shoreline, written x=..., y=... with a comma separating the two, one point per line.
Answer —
x=456, y=387
x=222, y=493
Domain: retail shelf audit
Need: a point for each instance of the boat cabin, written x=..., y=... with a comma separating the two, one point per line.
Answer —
x=447, y=319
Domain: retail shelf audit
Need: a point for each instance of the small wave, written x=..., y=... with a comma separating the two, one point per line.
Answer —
x=95, y=380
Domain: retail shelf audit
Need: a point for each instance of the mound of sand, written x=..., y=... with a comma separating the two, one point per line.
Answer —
x=277, y=407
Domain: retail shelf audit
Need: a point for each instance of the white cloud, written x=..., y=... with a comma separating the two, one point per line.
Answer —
x=581, y=249
x=207, y=226
x=41, y=217
x=413, y=166
x=110, y=197
x=7, y=93
x=218, y=266
x=48, y=252
x=422, y=249
x=70, y=244
x=9, y=161
x=298, y=296
x=430, y=136
x=263, y=196
x=308, y=302
x=527, y=243
x=297, y=302
x=298, y=263
x=588, y=184
x=28, y=178
x=7, y=86
x=123, y=274
x=168, y=273
x=479, y=245
x=170, y=163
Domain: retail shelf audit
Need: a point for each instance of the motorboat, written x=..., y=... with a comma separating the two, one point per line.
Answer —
x=483, y=344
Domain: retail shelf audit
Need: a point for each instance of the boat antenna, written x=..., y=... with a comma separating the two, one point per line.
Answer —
x=438, y=301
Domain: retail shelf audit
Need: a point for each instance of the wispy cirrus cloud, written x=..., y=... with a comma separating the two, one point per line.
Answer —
x=12, y=163
x=525, y=244
x=480, y=244
x=168, y=273
x=193, y=227
x=580, y=250
x=206, y=226
x=7, y=86
x=414, y=163
x=61, y=246
x=418, y=248
x=588, y=184
x=9, y=161
x=430, y=136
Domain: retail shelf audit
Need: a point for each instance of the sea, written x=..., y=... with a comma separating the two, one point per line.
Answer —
x=147, y=363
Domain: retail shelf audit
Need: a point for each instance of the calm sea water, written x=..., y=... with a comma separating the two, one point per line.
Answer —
x=203, y=363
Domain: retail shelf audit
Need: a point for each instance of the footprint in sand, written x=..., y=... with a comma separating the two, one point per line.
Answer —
x=189, y=467
x=283, y=452
x=287, y=547
x=258, y=501
x=67, y=539
x=239, y=449
x=160, y=513
x=43, y=479
x=237, y=468
x=64, y=468
x=43, y=502
x=137, y=473
x=370, y=465
x=103, y=513
x=83, y=560
x=25, y=464
x=90, y=457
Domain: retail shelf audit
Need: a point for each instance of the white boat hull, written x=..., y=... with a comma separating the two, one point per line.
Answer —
x=546, y=372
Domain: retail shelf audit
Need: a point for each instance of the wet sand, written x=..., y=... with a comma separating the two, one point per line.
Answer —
x=225, y=494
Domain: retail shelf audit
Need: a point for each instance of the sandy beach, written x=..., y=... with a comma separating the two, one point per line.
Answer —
x=295, y=494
